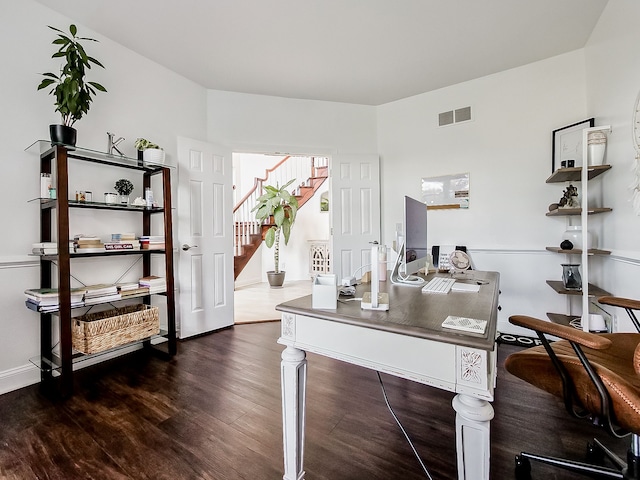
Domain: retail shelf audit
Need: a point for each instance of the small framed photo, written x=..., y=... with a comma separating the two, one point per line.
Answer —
x=567, y=144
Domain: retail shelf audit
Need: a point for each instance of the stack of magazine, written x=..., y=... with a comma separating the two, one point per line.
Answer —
x=46, y=300
x=100, y=293
x=154, y=283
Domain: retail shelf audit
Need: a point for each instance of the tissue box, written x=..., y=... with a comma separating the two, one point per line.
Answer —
x=323, y=292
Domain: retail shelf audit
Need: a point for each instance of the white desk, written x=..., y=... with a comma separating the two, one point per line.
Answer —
x=408, y=341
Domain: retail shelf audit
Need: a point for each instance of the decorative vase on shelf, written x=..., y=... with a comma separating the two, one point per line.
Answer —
x=124, y=199
x=571, y=278
x=573, y=233
x=596, y=146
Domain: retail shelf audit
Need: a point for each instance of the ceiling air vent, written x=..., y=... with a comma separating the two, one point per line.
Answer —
x=454, y=116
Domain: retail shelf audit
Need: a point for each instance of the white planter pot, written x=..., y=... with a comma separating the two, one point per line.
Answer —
x=596, y=153
x=153, y=155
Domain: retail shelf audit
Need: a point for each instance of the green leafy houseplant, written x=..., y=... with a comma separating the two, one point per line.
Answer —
x=142, y=144
x=278, y=203
x=73, y=93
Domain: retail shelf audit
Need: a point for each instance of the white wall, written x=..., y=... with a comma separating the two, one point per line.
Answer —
x=143, y=99
x=255, y=123
x=613, y=82
x=506, y=149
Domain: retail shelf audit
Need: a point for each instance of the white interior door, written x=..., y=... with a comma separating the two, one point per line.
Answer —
x=355, y=207
x=205, y=242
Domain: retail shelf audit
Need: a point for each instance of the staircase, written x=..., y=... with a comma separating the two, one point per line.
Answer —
x=249, y=233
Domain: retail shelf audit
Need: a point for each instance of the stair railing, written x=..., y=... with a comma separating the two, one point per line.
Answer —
x=245, y=224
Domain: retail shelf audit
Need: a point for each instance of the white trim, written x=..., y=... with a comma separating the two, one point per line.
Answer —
x=18, y=377
x=18, y=261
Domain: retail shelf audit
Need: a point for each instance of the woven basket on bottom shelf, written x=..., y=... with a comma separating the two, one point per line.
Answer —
x=96, y=332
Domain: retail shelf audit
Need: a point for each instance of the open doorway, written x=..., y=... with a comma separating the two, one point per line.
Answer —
x=254, y=299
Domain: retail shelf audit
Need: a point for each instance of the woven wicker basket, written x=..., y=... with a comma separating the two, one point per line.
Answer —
x=96, y=332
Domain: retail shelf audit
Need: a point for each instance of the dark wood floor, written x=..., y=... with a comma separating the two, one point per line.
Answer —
x=214, y=413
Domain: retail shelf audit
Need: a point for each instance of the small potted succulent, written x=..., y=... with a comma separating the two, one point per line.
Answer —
x=73, y=93
x=124, y=188
x=149, y=152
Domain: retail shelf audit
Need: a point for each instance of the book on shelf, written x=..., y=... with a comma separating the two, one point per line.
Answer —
x=151, y=238
x=96, y=249
x=135, y=292
x=47, y=301
x=37, y=307
x=42, y=292
x=152, y=242
x=124, y=286
x=45, y=245
x=123, y=237
x=47, y=248
x=152, y=246
x=152, y=280
x=100, y=289
x=87, y=244
x=39, y=294
x=86, y=239
x=47, y=251
x=102, y=299
x=122, y=246
x=156, y=284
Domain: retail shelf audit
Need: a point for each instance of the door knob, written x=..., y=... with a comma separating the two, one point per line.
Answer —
x=186, y=247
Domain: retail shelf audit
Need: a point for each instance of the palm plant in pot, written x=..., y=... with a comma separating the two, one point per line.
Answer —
x=279, y=206
x=73, y=93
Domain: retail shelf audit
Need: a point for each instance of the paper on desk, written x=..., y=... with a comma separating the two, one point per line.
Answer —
x=465, y=287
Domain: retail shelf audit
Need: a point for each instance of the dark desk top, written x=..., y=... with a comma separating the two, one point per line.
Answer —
x=417, y=314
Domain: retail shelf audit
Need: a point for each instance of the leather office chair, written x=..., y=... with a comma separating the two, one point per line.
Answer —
x=597, y=376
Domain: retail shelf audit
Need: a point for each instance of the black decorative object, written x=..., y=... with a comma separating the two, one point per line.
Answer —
x=566, y=245
x=571, y=276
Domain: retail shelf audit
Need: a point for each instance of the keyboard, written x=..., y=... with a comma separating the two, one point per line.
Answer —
x=439, y=285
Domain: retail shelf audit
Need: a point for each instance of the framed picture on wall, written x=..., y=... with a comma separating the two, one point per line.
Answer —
x=567, y=144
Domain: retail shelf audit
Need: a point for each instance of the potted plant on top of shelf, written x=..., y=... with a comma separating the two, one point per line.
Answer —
x=73, y=94
x=149, y=151
x=278, y=206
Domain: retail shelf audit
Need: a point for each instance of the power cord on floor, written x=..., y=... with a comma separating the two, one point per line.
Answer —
x=415, y=452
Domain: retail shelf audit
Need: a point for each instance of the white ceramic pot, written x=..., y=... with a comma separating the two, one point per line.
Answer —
x=596, y=153
x=153, y=155
x=573, y=233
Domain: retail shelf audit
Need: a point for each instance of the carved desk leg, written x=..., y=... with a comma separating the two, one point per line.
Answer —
x=294, y=380
x=473, y=417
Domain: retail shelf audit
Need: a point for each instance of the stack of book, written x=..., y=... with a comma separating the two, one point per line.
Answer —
x=46, y=248
x=131, y=289
x=100, y=293
x=152, y=242
x=47, y=300
x=87, y=244
x=154, y=283
x=122, y=241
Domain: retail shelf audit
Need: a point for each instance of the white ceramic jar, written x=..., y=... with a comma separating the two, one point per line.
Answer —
x=573, y=233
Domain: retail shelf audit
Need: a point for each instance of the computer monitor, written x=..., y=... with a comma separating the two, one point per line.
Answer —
x=412, y=244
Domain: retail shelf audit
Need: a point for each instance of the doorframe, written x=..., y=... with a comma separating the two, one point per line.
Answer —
x=288, y=150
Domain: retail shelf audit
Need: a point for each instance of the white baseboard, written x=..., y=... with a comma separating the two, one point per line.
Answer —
x=29, y=374
x=18, y=377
